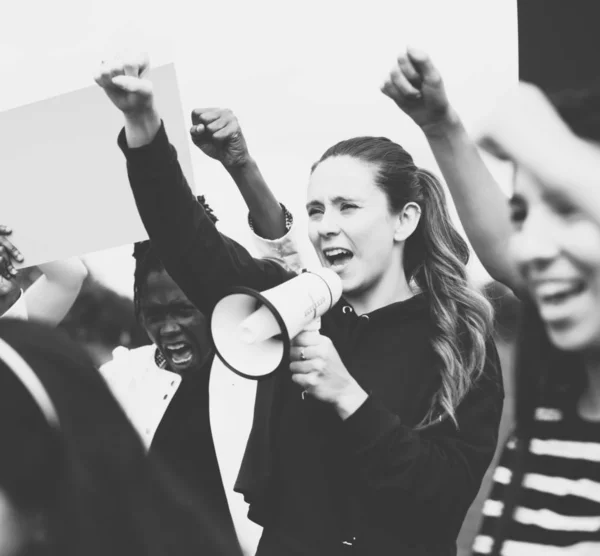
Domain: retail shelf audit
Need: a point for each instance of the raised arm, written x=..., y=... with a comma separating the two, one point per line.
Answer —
x=217, y=133
x=527, y=129
x=202, y=261
x=416, y=86
x=52, y=295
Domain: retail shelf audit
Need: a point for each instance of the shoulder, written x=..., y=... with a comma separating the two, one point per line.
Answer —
x=129, y=360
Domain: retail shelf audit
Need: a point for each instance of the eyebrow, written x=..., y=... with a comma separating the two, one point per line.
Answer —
x=174, y=305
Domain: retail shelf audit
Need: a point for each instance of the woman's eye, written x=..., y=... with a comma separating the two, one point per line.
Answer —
x=187, y=311
x=348, y=206
x=565, y=209
x=314, y=211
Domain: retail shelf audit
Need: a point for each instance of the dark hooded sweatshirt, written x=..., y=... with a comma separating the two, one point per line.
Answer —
x=369, y=485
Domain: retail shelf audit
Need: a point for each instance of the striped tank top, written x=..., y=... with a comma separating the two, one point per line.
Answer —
x=558, y=509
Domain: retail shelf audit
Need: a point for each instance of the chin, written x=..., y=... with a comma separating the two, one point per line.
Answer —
x=573, y=337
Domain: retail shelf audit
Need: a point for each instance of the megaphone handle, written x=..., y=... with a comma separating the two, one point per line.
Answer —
x=313, y=326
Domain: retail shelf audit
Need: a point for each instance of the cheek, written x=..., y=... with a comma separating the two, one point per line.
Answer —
x=152, y=329
x=199, y=324
x=313, y=234
x=582, y=245
x=514, y=249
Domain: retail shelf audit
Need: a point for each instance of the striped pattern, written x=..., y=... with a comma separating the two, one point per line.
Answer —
x=559, y=507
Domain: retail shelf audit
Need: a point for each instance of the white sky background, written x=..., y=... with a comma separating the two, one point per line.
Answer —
x=299, y=76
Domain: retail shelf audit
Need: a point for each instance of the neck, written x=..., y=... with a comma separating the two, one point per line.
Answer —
x=589, y=404
x=391, y=288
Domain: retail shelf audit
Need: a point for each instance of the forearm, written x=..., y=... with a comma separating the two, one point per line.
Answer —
x=439, y=465
x=439, y=469
x=141, y=129
x=482, y=206
x=265, y=211
x=51, y=297
x=69, y=273
x=201, y=260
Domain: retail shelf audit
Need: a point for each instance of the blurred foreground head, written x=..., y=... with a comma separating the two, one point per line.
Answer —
x=74, y=477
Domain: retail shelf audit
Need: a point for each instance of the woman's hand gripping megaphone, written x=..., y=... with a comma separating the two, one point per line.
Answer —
x=318, y=369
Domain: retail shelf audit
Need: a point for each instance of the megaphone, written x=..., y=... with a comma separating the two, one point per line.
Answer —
x=251, y=331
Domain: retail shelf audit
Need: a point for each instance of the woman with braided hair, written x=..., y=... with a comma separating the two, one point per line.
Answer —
x=165, y=388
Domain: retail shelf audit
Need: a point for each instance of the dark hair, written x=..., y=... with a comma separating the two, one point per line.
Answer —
x=147, y=260
x=544, y=374
x=435, y=258
x=580, y=110
x=90, y=478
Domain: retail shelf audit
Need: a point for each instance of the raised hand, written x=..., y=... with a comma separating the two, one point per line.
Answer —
x=8, y=254
x=124, y=83
x=217, y=133
x=416, y=86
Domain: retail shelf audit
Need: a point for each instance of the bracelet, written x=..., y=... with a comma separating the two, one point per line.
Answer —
x=289, y=219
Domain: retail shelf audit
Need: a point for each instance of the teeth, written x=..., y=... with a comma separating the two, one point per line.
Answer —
x=556, y=289
x=174, y=347
x=554, y=294
x=336, y=252
x=182, y=360
x=553, y=288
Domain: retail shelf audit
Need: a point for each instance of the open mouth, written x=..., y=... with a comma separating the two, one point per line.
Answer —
x=180, y=353
x=337, y=258
x=554, y=294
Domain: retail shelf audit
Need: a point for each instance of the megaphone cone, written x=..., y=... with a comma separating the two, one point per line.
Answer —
x=251, y=331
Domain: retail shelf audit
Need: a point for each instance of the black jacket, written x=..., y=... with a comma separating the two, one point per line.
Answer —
x=312, y=479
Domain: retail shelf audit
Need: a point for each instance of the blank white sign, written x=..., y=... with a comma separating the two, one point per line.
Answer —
x=63, y=177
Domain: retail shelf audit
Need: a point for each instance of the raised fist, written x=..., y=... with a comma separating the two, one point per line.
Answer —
x=124, y=83
x=416, y=86
x=217, y=133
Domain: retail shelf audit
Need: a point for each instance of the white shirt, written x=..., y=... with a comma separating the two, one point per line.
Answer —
x=145, y=391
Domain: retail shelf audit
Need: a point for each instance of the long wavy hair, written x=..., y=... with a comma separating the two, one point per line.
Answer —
x=435, y=258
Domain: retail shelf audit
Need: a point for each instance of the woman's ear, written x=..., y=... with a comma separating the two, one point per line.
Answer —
x=407, y=221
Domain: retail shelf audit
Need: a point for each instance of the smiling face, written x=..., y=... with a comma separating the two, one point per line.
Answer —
x=557, y=249
x=351, y=225
x=173, y=323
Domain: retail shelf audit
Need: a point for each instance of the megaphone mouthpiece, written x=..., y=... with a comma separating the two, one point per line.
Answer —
x=259, y=326
x=254, y=342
